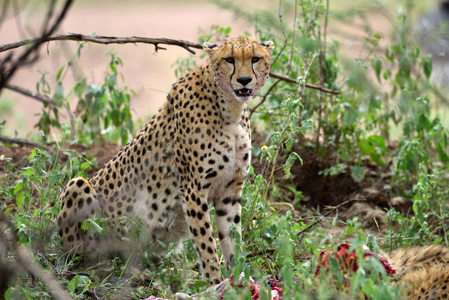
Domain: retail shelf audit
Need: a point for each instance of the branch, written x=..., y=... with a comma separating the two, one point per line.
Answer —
x=26, y=261
x=39, y=97
x=19, y=142
x=261, y=252
x=308, y=85
x=106, y=40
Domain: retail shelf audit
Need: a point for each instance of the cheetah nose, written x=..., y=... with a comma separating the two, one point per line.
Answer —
x=244, y=80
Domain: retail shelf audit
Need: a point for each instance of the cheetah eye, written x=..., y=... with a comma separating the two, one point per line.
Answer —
x=255, y=59
x=229, y=60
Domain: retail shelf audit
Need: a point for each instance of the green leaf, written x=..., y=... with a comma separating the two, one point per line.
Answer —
x=112, y=66
x=350, y=117
x=372, y=145
x=112, y=80
x=32, y=154
x=417, y=209
x=373, y=42
x=73, y=284
x=79, y=281
x=377, y=159
x=423, y=123
x=90, y=224
x=30, y=171
x=343, y=154
x=366, y=147
x=306, y=124
x=59, y=91
x=357, y=173
x=289, y=163
x=58, y=76
x=378, y=142
x=426, y=64
x=377, y=66
x=441, y=153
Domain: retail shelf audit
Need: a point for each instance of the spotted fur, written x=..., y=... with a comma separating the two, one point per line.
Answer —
x=425, y=271
x=193, y=153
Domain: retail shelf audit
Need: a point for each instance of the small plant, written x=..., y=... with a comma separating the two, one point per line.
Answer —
x=103, y=110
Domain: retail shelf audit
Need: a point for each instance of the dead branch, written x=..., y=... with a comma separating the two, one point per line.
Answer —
x=25, y=261
x=20, y=142
x=36, y=96
x=98, y=39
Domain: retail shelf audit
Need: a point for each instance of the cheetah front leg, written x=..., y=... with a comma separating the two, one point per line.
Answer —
x=228, y=211
x=198, y=219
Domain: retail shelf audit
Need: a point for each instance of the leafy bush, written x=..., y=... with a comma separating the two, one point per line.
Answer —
x=103, y=111
x=340, y=114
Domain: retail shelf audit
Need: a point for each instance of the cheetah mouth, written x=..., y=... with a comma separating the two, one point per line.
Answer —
x=243, y=92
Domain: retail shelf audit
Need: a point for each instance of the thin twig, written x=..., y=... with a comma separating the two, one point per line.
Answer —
x=302, y=231
x=307, y=85
x=106, y=40
x=36, y=96
x=261, y=252
x=48, y=18
x=335, y=208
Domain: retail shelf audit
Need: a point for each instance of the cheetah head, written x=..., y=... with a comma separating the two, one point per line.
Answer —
x=240, y=66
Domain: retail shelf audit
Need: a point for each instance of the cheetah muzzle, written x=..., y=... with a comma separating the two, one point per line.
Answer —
x=244, y=93
x=195, y=152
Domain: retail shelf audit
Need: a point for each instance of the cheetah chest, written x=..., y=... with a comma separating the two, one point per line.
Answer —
x=234, y=157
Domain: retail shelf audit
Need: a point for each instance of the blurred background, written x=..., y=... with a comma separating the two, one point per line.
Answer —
x=150, y=74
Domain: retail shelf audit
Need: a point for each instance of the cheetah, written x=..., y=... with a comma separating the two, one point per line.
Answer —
x=194, y=152
x=424, y=271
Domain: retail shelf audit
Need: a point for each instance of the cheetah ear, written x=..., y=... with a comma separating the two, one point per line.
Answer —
x=210, y=48
x=269, y=46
